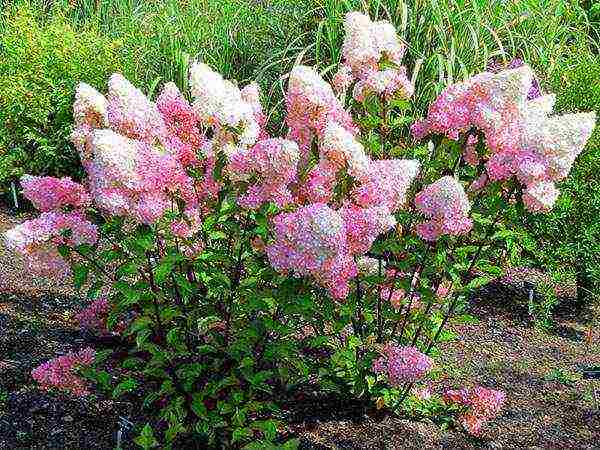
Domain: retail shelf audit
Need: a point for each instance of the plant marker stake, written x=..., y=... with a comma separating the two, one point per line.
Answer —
x=13, y=188
x=124, y=425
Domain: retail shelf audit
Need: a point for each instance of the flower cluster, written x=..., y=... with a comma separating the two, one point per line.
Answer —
x=48, y=193
x=273, y=163
x=447, y=206
x=524, y=139
x=402, y=364
x=311, y=106
x=482, y=405
x=339, y=149
x=498, y=66
x=38, y=240
x=367, y=47
x=220, y=104
x=312, y=241
x=93, y=317
x=183, y=133
x=60, y=373
x=387, y=183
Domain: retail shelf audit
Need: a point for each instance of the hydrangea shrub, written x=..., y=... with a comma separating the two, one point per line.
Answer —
x=238, y=264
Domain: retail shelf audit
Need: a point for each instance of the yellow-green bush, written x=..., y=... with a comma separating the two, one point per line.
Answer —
x=40, y=65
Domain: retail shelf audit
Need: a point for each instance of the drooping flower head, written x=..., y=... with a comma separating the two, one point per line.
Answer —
x=482, y=405
x=38, y=239
x=61, y=372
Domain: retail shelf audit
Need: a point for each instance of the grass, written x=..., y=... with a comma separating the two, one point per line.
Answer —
x=260, y=40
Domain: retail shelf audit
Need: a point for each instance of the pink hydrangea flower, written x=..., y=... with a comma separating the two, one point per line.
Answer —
x=183, y=135
x=493, y=103
x=37, y=240
x=366, y=43
x=342, y=79
x=540, y=197
x=130, y=113
x=94, y=317
x=482, y=405
x=89, y=112
x=312, y=241
x=219, y=103
x=311, y=106
x=251, y=95
x=272, y=163
x=389, y=83
x=48, y=193
x=402, y=364
x=524, y=140
x=387, y=183
x=447, y=206
x=60, y=373
x=341, y=150
x=318, y=185
x=129, y=177
x=395, y=296
x=364, y=225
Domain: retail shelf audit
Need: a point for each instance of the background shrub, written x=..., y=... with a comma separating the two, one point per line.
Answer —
x=568, y=239
x=40, y=65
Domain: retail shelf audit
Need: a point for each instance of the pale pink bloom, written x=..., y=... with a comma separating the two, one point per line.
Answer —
x=60, y=373
x=48, y=193
x=271, y=164
x=312, y=241
x=402, y=364
x=364, y=225
x=131, y=114
x=219, y=103
x=183, y=138
x=482, y=405
x=311, y=105
x=387, y=183
x=340, y=149
x=541, y=196
x=447, y=206
x=89, y=112
x=342, y=79
x=38, y=239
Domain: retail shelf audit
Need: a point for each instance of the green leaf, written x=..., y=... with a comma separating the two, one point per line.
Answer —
x=217, y=235
x=127, y=385
x=146, y=439
x=164, y=269
x=198, y=406
x=80, y=275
